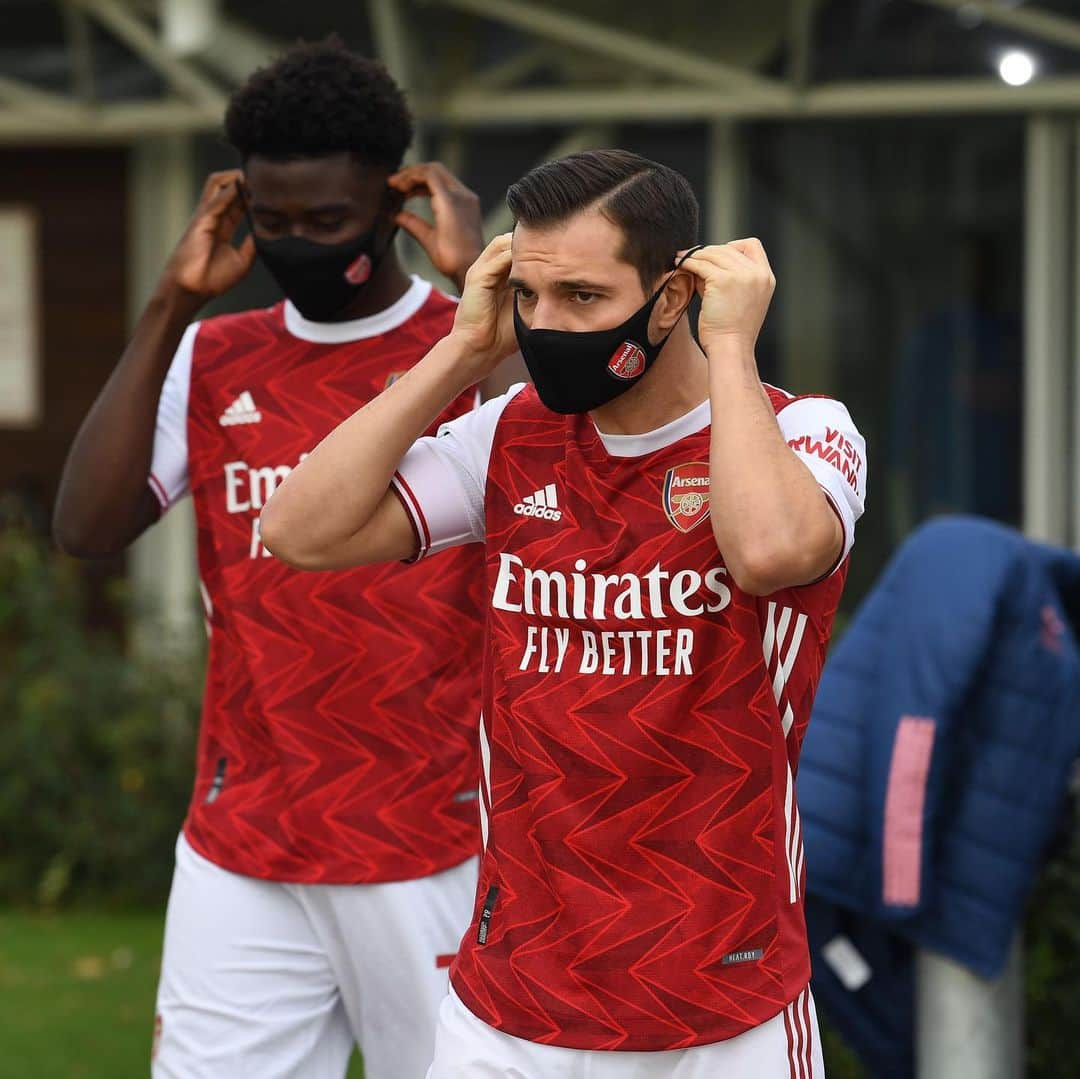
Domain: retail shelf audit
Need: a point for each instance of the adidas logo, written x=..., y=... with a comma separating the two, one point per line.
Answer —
x=543, y=504
x=242, y=410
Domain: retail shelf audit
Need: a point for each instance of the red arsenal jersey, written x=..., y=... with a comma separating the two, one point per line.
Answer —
x=338, y=737
x=642, y=882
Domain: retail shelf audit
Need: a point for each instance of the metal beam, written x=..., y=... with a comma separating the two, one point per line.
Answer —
x=1047, y=305
x=38, y=103
x=55, y=119
x=510, y=71
x=182, y=77
x=914, y=97
x=969, y=1027
x=726, y=183
x=391, y=40
x=80, y=50
x=621, y=45
x=800, y=42
x=113, y=123
x=1046, y=25
x=162, y=190
x=236, y=50
x=1074, y=358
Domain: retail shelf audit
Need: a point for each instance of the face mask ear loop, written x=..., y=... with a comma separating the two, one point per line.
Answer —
x=682, y=259
x=247, y=207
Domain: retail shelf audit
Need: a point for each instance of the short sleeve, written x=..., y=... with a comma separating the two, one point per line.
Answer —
x=441, y=480
x=823, y=436
x=168, y=477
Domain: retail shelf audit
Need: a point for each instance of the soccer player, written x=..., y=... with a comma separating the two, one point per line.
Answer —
x=666, y=541
x=328, y=861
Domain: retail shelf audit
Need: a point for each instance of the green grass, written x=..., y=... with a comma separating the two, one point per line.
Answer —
x=77, y=995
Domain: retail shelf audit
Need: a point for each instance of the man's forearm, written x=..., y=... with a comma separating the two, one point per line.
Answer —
x=323, y=508
x=770, y=518
x=103, y=485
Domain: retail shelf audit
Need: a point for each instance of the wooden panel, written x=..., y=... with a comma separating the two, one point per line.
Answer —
x=79, y=198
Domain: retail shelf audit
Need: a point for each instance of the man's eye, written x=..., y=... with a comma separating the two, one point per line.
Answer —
x=328, y=224
x=584, y=298
x=525, y=294
x=269, y=225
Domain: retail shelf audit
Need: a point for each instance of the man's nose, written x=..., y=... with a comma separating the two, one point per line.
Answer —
x=545, y=316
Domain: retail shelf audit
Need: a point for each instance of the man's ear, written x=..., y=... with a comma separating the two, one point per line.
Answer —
x=674, y=300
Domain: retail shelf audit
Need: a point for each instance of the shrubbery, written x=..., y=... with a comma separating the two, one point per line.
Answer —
x=97, y=749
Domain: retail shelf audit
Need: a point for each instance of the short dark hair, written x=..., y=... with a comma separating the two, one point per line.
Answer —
x=653, y=205
x=320, y=99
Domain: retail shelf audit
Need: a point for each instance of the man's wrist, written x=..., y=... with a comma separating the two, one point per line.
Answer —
x=461, y=361
x=174, y=302
x=458, y=275
x=730, y=349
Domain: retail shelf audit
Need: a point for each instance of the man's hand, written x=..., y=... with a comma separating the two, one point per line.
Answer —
x=204, y=264
x=736, y=285
x=455, y=240
x=484, y=322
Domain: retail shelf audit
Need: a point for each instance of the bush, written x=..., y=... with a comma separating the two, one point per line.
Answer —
x=1052, y=967
x=98, y=748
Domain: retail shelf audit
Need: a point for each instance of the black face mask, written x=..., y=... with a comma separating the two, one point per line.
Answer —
x=577, y=371
x=323, y=279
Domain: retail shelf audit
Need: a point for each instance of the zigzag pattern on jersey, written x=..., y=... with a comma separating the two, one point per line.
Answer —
x=343, y=704
x=636, y=830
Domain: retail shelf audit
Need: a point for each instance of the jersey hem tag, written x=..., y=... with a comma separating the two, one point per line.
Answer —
x=485, y=914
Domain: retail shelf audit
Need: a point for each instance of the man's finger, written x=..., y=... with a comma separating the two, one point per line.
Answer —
x=246, y=251
x=708, y=263
x=221, y=202
x=497, y=254
x=493, y=270
x=217, y=180
x=411, y=190
x=219, y=187
x=432, y=175
x=230, y=219
x=723, y=257
x=753, y=249
x=420, y=230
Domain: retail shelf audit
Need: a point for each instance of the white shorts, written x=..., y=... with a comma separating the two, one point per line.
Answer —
x=782, y=1048
x=261, y=980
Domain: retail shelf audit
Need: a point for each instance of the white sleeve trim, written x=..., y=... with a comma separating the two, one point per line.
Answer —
x=441, y=481
x=168, y=477
x=823, y=436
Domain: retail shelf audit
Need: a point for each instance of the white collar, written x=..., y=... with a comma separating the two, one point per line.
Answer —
x=690, y=423
x=336, y=333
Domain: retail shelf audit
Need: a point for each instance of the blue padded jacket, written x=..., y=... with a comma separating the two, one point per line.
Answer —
x=936, y=767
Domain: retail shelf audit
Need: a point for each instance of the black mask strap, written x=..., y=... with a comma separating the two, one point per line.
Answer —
x=656, y=295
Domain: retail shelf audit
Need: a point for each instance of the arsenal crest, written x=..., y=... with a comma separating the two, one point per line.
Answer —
x=686, y=494
x=359, y=270
x=627, y=362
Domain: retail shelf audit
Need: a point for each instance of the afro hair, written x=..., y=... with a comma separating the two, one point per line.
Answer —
x=320, y=99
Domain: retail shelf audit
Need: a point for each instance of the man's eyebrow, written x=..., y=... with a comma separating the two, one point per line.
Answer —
x=581, y=286
x=326, y=208
x=329, y=208
x=565, y=286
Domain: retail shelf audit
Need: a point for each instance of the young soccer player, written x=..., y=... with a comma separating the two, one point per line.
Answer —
x=328, y=861
x=666, y=541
